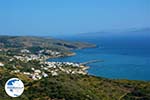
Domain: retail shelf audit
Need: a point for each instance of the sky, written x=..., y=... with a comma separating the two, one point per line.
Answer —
x=48, y=17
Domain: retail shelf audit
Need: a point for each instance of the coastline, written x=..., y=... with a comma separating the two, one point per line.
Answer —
x=114, y=65
x=69, y=54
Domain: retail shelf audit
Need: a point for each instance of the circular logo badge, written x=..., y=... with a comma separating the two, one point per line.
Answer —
x=14, y=87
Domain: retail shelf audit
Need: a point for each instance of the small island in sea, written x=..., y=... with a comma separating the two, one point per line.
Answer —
x=26, y=58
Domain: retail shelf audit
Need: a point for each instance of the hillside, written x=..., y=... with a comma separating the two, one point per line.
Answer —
x=25, y=58
x=29, y=41
x=79, y=87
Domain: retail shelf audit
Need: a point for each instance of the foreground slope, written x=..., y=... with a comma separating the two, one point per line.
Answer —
x=79, y=87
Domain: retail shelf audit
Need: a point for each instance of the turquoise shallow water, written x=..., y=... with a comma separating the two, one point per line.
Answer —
x=120, y=61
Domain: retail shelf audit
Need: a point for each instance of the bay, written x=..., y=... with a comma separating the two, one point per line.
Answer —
x=122, y=60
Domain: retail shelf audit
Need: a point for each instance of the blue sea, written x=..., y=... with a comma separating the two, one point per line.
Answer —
x=123, y=58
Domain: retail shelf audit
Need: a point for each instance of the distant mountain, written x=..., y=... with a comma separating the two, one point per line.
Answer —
x=145, y=32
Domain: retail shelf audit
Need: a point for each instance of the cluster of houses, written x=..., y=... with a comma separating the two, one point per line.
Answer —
x=26, y=55
x=30, y=57
x=49, y=52
x=54, y=69
x=47, y=68
x=66, y=67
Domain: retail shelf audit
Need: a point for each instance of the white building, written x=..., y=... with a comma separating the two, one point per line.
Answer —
x=25, y=51
x=1, y=64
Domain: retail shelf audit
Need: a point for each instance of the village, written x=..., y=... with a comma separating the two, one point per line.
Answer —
x=46, y=68
x=26, y=55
